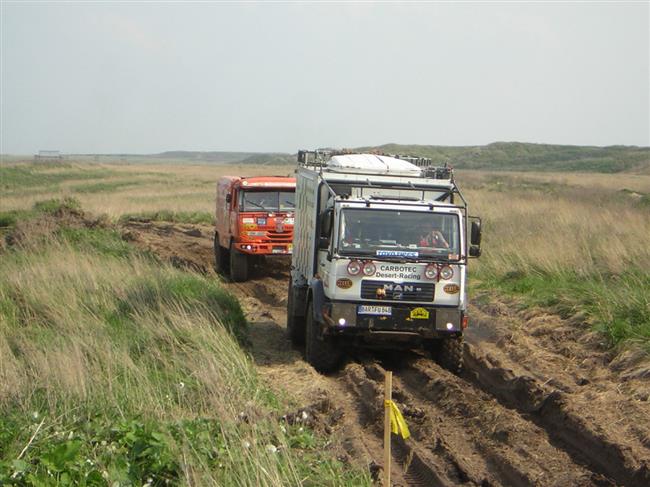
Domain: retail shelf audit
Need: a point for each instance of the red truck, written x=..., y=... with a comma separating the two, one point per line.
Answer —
x=254, y=218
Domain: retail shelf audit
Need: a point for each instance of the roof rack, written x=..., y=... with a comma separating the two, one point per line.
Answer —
x=318, y=159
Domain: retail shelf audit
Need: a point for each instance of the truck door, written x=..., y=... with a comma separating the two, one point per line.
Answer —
x=233, y=213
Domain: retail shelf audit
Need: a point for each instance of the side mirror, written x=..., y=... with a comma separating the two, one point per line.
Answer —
x=228, y=198
x=326, y=223
x=323, y=243
x=475, y=233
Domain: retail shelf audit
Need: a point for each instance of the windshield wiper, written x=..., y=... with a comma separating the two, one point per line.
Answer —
x=256, y=204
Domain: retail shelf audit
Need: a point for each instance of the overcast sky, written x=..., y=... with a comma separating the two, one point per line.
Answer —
x=149, y=77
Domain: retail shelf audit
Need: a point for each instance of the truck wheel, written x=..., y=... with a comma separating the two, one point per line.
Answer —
x=322, y=353
x=238, y=265
x=220, y=256
x=295, y=325
x=449, y=353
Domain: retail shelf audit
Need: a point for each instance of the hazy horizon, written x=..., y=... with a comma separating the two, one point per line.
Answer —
x=146, y=78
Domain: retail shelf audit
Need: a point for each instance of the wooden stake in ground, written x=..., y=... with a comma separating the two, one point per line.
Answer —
x=388, y=397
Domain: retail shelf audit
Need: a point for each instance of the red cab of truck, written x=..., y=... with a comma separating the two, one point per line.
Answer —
x=254, y=217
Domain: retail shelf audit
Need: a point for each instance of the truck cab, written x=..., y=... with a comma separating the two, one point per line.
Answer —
x=380, y=257
x=254, y=219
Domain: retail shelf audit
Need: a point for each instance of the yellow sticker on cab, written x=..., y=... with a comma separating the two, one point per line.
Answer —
x=419, y=314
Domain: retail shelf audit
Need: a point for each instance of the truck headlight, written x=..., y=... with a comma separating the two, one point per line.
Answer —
x=354, y=268
x=369, y=269
x=446, y=273
x=431, y=272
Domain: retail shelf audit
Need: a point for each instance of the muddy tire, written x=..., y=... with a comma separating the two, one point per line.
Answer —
x=295, y=324
x=321, y=352
x=221, y=259
x=238, y=265
x=449, y=353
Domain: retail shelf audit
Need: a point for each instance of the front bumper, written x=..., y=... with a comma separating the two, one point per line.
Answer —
x=408, y=319
x=264, y=248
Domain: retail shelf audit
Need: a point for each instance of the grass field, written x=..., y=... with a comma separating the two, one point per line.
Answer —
x=574, y=241
x=117, y=369
x=578, y=244
x=113, y=366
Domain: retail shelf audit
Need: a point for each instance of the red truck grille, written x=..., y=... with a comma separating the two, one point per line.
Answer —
x=279, y=236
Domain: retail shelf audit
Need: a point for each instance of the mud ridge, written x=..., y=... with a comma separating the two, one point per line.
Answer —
x=550, y=410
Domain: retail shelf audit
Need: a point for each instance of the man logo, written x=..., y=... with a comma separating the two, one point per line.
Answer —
x=396, y=291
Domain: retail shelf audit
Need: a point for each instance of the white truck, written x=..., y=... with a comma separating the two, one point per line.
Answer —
x=380, y=254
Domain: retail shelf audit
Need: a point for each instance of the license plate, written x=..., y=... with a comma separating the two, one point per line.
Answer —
x=365, y=309
x=279, y=250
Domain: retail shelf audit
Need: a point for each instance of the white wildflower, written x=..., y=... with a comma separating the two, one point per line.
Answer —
x=271, y=448
x=246, y=444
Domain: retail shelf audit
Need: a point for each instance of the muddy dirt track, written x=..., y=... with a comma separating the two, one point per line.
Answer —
x=540, y=402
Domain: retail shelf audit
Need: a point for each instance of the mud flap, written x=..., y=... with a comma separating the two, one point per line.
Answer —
x=318, y=299
x=299, y=302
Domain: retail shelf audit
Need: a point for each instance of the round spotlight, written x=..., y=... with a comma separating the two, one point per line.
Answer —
x=342, y=321
x=369, y=268
x=354, y=268
x=431, y=272
x=450, y=326
x=446, y=273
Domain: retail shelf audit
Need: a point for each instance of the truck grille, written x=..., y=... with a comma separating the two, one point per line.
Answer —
x=279, y=236
x=391, y=291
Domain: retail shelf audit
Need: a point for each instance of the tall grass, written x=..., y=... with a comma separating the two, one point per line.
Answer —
x=115, y=369
x=578, y=249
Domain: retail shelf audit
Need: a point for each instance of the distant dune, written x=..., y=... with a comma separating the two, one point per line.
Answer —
x=498, y=156
x=517, y=156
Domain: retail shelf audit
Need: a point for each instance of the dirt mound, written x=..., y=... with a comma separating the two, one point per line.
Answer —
x=34, y=231
x=185, y=246
x=541, y=402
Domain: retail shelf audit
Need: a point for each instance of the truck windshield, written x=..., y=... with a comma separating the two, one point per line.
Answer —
x=267, y=201
x=399, y=234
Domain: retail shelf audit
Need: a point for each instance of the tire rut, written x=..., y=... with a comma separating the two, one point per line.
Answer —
x=513, y=450
x=549, y=409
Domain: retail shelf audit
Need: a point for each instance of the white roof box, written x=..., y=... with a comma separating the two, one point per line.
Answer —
x=372, y=164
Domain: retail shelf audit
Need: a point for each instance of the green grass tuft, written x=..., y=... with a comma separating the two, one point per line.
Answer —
x=57, y=205
x=46, y=207
x=618, y=306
